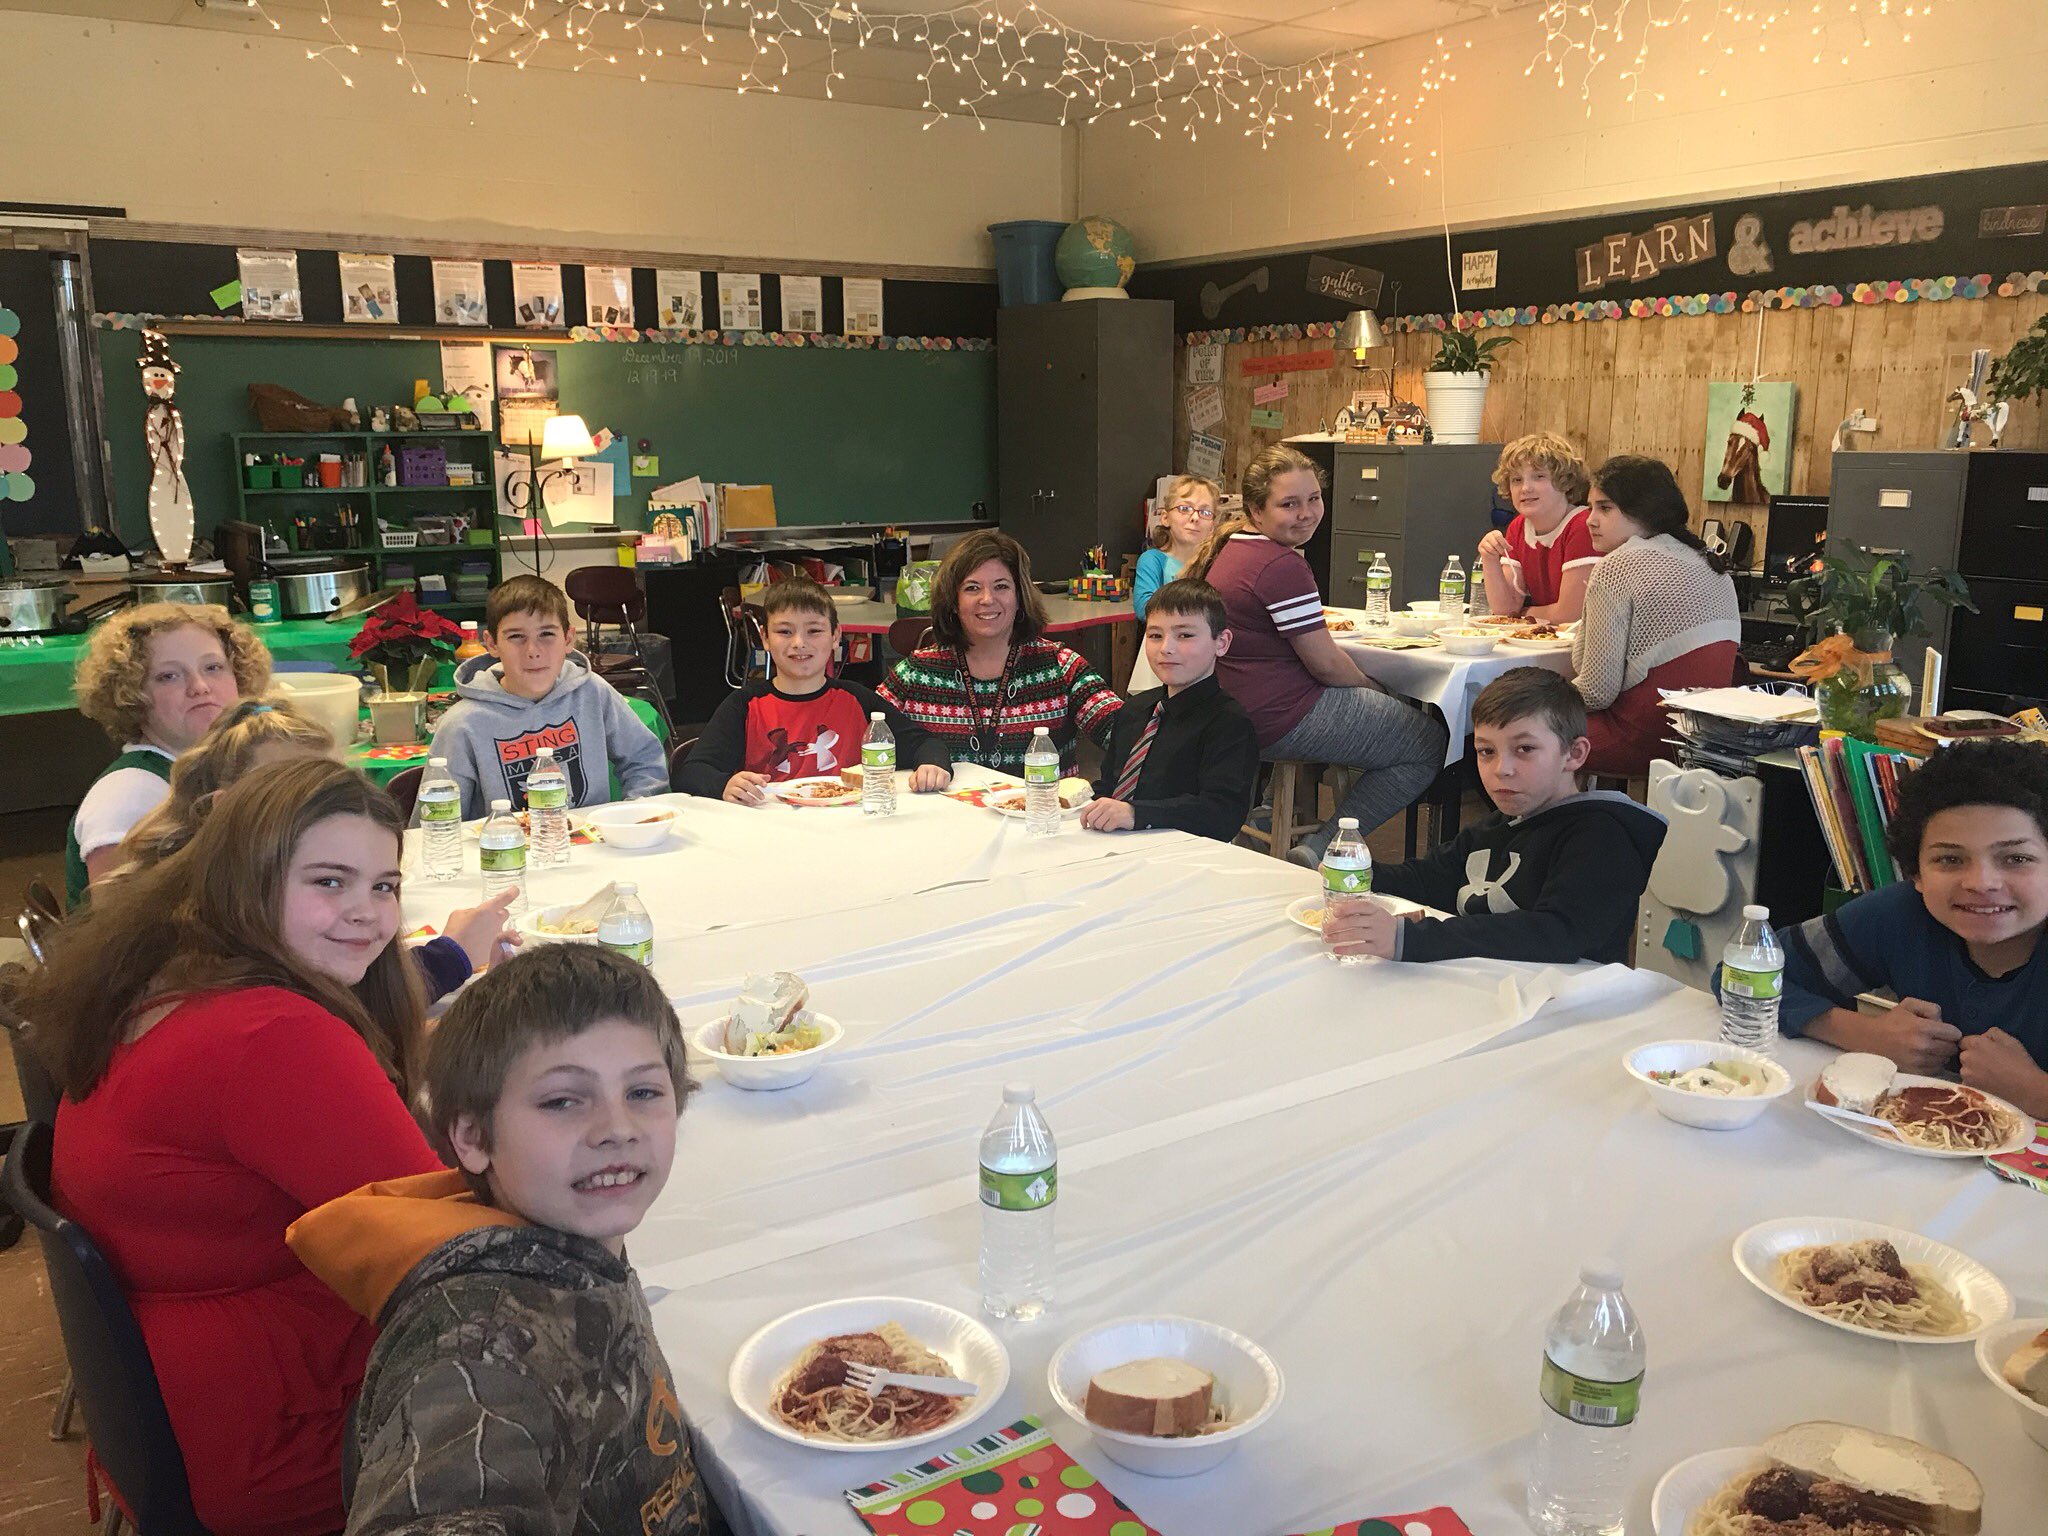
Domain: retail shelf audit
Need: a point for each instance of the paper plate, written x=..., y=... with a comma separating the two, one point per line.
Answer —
x=1982, y=1293
x=790, y=792
x=474, y=830
x=2021, y=1137
x=973, y=1353
x=1687, y=1486
x=1001, y=802
x=1526, y=643
x=1308, y=910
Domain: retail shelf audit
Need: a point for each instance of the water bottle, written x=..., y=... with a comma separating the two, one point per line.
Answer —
x=547, y=810
x=503, y=856
x=1450, y=590
x=1752, y=980
x=1347, y=879
x=1020, y=1182
x=1041, y=786
x=440, y=803
x=1591, y=1384
x=625, y=925
x=878, y=768
x=1379, y=589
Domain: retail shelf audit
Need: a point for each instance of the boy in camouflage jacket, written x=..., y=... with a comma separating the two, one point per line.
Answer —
x=516, y=1388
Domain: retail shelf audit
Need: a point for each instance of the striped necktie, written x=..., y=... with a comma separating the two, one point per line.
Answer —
x=1127, y=781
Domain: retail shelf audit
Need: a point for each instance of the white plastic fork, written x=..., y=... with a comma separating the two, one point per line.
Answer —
x=871, y=1379
x=1836, y=1112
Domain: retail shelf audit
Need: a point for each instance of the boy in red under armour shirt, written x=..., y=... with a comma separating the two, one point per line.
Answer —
x=801, y=724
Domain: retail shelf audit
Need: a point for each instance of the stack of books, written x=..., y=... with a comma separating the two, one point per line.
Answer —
x=1855, y=790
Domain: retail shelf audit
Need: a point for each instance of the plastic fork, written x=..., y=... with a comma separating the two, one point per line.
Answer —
x=871, y=1379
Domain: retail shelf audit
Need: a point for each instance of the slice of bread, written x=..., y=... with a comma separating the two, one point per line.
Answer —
x=1151, y=1397
x=1897, y=1479
x=1855, y=1081
x=2027, y=1370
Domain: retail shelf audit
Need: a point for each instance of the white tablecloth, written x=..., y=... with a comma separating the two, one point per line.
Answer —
x=1450, y=683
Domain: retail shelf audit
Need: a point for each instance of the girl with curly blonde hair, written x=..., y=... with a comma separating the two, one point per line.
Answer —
x=154, y=678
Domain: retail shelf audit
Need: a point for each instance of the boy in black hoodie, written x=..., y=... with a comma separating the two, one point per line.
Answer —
x=1554, y=877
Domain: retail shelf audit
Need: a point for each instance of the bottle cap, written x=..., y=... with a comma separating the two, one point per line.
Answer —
x=624, y=888
x=1347, y=823
x=544, y=752
x=1601, y=1274
x=501, y=805
x=437, y=762
x=1018, y=1093
x=1760, y=914
x=874, y=714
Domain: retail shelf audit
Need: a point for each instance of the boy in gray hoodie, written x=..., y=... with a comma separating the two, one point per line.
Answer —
x=535, y=691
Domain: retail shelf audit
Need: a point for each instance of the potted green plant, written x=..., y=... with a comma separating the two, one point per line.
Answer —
x=2023, y=371
x=1456, y=383
x=403, y=644
x=1851, y=606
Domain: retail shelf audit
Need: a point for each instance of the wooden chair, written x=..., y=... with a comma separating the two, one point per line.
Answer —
x=1297, y=792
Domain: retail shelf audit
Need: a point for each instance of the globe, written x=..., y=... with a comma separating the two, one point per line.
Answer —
x=1095, y=252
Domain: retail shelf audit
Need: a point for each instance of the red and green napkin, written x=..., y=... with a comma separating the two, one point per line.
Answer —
x=1015, y=1478
x=1428, y=1522
x=2028, y=1166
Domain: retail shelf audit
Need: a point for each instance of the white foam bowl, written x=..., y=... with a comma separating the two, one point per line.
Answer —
x=1982, y=1293
x=1248, y=1387
x=1415, y=625
x=1700, y=1109
x=1458, y=642
x=1429, y=606
x=765, y=1074
x=530, y=928
x=1681, y=1491
x=625, y=824
x=1994, y=1347
x=968, y=1348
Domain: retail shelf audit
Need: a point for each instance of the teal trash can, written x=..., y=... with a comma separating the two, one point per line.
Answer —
x=1024, y=273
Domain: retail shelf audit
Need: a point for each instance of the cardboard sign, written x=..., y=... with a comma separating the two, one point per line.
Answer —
x=1636, y=258
x=1357, y=286
x=1205, y=363
x=1480, y=269
x=1271, y=394
x=1205, y=455
x=1289, y=362
x=1205, y=407
x=2016, y=220
x=1267, y=419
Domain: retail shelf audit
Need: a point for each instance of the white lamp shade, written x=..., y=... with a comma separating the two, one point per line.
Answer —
x=566, y=437
x=1362, y=333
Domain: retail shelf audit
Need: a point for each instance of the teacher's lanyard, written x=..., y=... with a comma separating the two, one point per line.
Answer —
x=995, y=718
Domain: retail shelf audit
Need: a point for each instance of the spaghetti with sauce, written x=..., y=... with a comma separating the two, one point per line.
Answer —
x=812, y=1397
x=1947, y=1118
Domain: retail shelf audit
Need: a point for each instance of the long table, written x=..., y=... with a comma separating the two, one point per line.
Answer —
x=1433, y=676
x=1387, y=1175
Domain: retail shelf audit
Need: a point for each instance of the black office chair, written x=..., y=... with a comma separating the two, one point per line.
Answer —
x=131, y=1433
x=677, y=756
x=404, y=788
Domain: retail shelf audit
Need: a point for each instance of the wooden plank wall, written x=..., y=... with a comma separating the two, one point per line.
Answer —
x=1640, y=386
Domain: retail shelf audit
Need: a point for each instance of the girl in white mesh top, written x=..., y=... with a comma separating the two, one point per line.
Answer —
x=1660, y=613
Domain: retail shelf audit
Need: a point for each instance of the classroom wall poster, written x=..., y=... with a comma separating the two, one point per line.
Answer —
x=803, y=303
x=862, y=300
x=537, y=294
x=1271, y=394
x=739, y=301
x=270, y=285
x=1205, y=363
x=1205, y=455
x=1205, y=407
x=679, y=293
x=466, y=370
x=608, y=295
x=369, y=289
x=529, y=391
x=459, y=293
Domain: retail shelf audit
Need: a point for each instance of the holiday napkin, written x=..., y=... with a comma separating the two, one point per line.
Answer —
x=1010, y=1479
x=2028, y=1166
x=1429, y=1522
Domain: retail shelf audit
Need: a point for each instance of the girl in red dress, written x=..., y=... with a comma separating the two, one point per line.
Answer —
x=235, y=1031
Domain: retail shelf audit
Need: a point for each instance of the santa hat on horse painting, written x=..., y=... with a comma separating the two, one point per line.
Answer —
x=1752, y=426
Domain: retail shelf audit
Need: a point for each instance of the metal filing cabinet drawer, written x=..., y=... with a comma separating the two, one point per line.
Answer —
x=1350, y=554
x=1370, y=492
x=2005, y=517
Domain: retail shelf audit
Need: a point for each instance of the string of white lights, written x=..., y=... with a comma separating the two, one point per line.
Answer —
x=1582, y=38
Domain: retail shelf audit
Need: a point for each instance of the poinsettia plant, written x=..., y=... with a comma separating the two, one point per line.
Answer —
x=403, y=640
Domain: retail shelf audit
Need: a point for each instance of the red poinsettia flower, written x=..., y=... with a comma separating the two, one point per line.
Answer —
x=403, y=634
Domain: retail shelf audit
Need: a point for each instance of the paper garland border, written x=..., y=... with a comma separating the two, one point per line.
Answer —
x=825, y=340
x=1931, y=290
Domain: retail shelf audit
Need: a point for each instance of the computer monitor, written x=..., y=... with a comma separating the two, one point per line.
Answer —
x=1798, y=530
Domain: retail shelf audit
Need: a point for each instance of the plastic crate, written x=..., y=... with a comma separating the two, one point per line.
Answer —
x=422, y=464
x=398, y=538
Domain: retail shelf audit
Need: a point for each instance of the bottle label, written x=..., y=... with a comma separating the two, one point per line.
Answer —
x=446, y=808
x=1020, y=1191
x=640, y=949
x=1601, y=1404
x=1763, y=986
x=504, y=861
x=1346, y=882
x=1041, y=773
x=1374, y=582
x=881, y=757
x=546, y=798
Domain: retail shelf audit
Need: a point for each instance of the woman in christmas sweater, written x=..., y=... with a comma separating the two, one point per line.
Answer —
x=991, y=675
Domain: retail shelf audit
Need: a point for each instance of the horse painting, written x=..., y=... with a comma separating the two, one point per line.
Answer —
x=1749, y=439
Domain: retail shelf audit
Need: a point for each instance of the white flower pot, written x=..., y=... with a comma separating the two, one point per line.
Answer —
x=1456, y=402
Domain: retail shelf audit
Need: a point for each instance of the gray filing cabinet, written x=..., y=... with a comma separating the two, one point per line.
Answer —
x=1419, y=503
x=1084, y=407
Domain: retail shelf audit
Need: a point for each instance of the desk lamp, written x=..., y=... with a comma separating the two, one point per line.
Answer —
x=1362, y=334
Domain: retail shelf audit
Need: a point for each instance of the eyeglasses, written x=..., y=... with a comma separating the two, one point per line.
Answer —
x=1206, y=514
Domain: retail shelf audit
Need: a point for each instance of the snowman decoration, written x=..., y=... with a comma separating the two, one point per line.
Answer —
x=163, y=434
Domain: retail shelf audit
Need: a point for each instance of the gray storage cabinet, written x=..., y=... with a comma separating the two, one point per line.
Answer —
x=1084, y=406
x=1419, y=504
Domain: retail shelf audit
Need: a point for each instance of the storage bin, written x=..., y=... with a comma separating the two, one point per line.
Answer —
x=291, y=476
x=262, y=477
x=422, y=464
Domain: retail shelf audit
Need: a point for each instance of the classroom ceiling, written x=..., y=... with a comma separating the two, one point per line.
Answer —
x=1277, y=32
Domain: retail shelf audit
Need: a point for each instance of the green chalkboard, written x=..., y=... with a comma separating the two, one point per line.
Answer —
x=844, y=436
